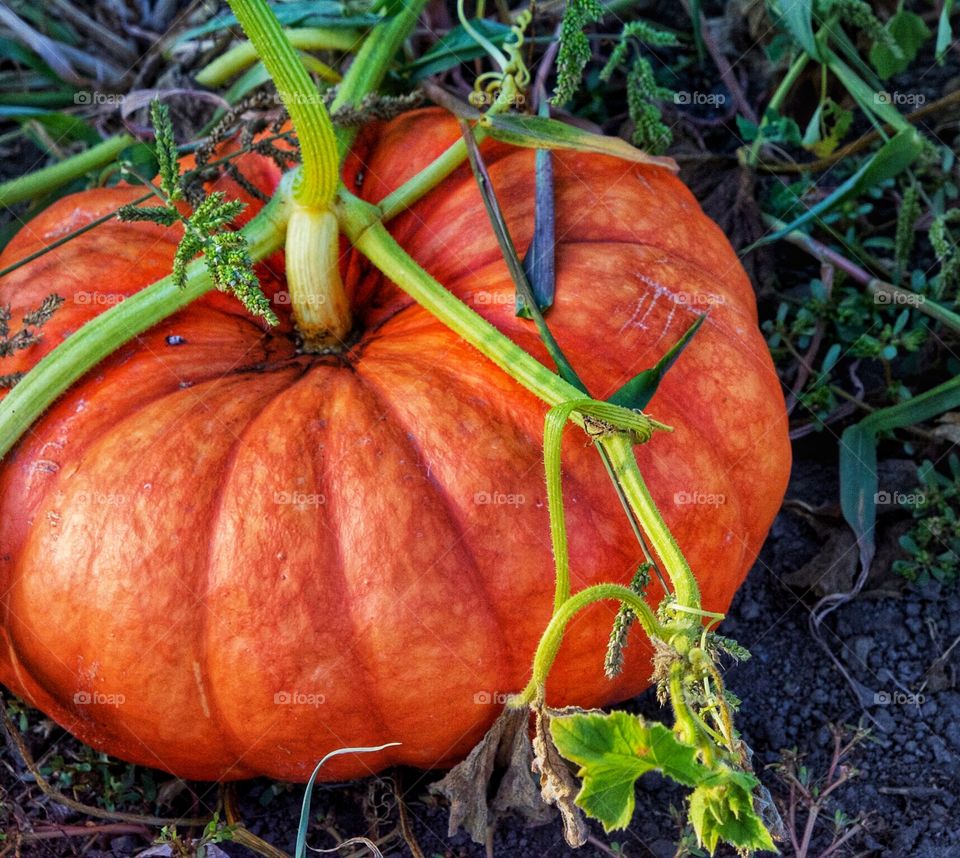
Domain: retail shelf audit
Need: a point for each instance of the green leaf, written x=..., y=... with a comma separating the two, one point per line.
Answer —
x=797, y=17
x=537, y=132
x=721, y=809
x=612, y=752
x=639, y=390
x=909, y=32
x=456, y=46
x=944, y=32
x=898, y=153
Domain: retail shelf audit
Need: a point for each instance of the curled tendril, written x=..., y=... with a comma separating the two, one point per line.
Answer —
x=513, y=77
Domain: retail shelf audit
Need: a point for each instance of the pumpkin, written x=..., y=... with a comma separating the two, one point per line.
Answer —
x=224, y=558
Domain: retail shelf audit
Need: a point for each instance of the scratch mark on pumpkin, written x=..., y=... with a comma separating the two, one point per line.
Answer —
x=198, y=676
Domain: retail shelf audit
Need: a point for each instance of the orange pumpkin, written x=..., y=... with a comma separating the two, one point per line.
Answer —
x=223, y=558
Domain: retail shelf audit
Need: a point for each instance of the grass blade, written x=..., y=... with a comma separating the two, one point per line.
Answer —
x=301, y=849
x=509, y=251
x=858, y=457
x=540, y=262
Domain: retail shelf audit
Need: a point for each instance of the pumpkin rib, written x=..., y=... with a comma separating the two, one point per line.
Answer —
x=452, y=513
x=232, y=740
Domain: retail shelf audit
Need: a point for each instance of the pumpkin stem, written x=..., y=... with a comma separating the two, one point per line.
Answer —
x=318, y=301
x=317, y=182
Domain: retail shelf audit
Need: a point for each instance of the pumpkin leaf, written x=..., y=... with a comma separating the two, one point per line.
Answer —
x=858, y=457
x=722, y=809
x=509, y=251
x=540, y=262
x=895, y=156
x=613, y=751
x=301, y=847
x=538, y=132
x=639, y=390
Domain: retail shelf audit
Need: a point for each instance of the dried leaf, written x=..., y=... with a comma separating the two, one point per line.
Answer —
x=506, y=746
x=558, y=786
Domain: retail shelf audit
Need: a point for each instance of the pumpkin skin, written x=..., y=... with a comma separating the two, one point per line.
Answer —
x=223, y=559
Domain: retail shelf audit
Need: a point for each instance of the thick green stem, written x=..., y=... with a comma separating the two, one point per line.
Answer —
x=620, y=451
x=102, y=335
x=372, y=62
x=50, y=178
x=549, y=646
x=321, y=174
x=360, y=222
x=242, y=56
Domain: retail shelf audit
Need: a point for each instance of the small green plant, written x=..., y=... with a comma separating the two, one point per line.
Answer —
x=188, y=847
x=932, y=544
x=809, y=797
